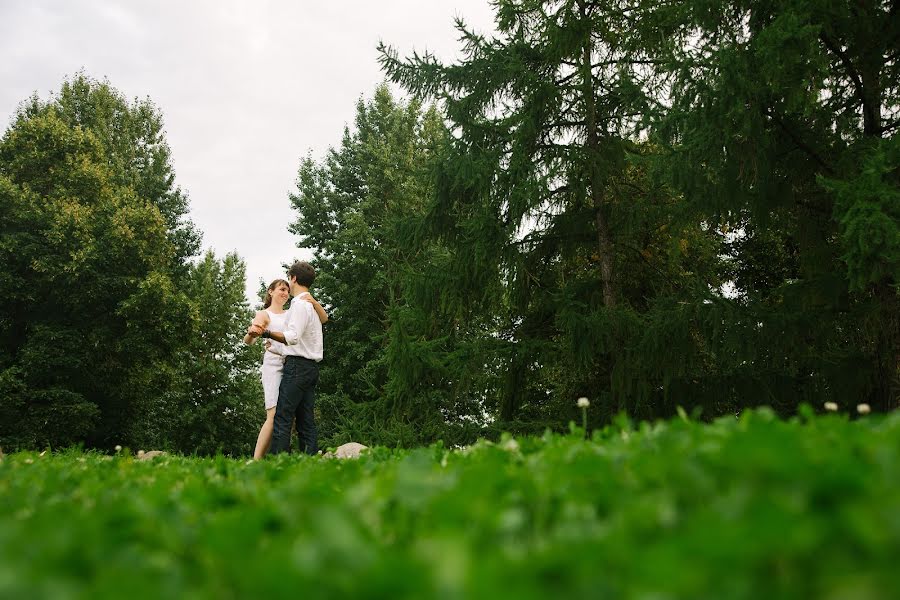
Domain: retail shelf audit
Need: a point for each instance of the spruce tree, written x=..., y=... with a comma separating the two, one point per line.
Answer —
x=782, y=126
x=555, y=225
x=661, y=204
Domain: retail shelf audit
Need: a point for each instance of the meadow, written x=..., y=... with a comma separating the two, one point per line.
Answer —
x=748, y=507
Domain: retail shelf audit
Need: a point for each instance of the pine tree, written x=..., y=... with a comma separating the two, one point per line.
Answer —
x=782, y=127
x=555, y=226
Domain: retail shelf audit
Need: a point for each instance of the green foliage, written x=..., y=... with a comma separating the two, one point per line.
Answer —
x=135, y=150
x=783, y=125
x=92, y=239
x=656, y=204
x=748, y=508
x=215, y=401
x=560, y=242
x=108, y=335
x=867, y=209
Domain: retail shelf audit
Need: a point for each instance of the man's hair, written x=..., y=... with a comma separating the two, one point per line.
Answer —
x=304, y=273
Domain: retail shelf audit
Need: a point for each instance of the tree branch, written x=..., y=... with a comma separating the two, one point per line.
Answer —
x=851, y=72
x=798, y=141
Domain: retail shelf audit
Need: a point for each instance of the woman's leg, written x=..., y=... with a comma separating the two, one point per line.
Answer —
x=265, y=435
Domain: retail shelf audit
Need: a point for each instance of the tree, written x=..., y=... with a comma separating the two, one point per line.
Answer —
x=215, y=401
x=94, y=239
x=555, y=225
x=782, y=126
x=666, y=204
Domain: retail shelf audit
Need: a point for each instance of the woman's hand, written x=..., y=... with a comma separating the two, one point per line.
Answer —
x=258, y=325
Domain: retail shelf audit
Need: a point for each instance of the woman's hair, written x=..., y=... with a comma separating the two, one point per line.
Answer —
x=271, y=288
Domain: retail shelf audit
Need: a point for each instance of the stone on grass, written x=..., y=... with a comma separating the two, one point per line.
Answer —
x=348, y=450
x=151, y=454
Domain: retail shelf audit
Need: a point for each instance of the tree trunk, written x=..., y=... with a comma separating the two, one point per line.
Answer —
x=887, y=338
x=601, y=221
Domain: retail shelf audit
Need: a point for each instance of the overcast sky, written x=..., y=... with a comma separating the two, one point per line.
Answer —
x=246, y=88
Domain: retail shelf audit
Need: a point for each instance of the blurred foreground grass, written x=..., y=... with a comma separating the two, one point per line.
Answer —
x=753, y=507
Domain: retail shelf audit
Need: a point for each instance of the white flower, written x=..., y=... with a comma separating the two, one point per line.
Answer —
x=863, y=409
x=118, y=448
x=583, y=402
x=140, y=453
x=831, y=406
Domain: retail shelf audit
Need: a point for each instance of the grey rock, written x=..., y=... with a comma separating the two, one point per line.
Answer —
x=348, y=450
x=150, y=455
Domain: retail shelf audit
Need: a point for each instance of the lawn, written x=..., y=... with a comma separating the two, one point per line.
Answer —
x=754, y=507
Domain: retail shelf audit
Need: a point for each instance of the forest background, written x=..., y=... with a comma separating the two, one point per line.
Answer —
x=649, y=205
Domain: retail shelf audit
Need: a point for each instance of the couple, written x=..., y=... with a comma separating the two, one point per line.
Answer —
x=290, y=366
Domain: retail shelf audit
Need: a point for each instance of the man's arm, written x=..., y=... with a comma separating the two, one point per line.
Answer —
x=255, y=331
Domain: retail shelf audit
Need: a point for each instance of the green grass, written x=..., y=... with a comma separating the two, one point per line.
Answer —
x=748, y=508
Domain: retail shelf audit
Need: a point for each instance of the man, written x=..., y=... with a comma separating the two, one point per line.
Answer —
x=304, y=349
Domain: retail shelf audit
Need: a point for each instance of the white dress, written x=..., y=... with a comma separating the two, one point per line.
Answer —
x=273, y=361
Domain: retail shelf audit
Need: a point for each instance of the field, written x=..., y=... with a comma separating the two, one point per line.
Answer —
x=753, y=507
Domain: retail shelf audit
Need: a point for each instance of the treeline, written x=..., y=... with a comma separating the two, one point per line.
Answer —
x=651, y=205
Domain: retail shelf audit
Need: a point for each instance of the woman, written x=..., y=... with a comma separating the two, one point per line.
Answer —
x=273, y=317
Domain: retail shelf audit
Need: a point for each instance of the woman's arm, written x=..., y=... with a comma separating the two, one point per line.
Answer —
x=323, y=316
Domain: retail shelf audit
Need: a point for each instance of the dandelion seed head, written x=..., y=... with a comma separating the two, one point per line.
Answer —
x=863, y=409
x=831, y=406
x=583, y=402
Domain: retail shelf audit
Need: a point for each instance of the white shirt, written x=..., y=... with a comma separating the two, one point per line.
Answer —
x=303, y=331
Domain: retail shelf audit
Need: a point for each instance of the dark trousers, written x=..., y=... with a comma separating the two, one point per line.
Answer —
x=296, y=398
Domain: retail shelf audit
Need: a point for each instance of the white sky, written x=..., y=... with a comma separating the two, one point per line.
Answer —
x=246, y=88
